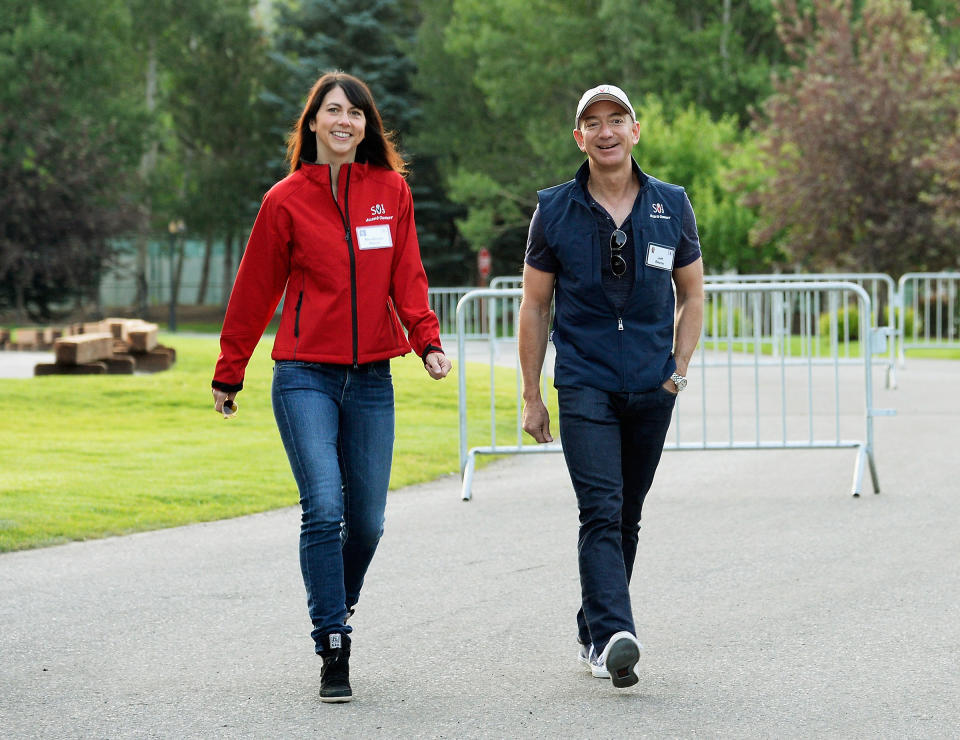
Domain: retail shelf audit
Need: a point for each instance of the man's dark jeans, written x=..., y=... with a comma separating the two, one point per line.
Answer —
x=612, y=443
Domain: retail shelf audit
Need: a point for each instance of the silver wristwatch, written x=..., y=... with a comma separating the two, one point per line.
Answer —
x=679, y=380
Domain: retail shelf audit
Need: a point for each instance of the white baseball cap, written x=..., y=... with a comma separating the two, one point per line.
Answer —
x=603, y=92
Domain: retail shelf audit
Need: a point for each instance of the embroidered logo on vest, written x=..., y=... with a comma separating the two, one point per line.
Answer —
x=657, y=209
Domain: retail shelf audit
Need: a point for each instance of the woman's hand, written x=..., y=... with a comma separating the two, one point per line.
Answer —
x=222, y=397
x=437, y=364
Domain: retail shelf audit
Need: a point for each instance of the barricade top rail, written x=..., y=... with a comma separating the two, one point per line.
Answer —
x=763, y=287
x=502, y=280
x=799, y=277
x=792, y=285
x=929, y=311
x=488, y=293
x=944, y=275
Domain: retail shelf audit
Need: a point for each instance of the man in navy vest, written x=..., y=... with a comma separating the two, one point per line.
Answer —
x=609, y=248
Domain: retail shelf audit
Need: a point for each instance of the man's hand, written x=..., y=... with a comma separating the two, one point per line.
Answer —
x=536, y=421
x=437, y=365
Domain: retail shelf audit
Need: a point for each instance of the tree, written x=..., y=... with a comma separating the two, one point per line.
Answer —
x=944, y=197
x=217, y=70
x=845, y=136
x=366, y=38
x=63, y=155
x=517, y=70
x=709, y=158
x=717, y=55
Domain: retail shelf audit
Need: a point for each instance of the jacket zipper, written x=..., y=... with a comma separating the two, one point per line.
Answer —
x=296, y=322
x=345, y=217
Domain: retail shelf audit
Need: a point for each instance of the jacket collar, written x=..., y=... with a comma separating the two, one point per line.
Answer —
x=320, y=173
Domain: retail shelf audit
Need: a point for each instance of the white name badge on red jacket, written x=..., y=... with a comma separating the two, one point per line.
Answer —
x=660, y=256
x=374, y=237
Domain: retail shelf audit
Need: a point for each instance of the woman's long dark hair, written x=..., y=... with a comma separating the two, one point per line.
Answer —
x=377, y=147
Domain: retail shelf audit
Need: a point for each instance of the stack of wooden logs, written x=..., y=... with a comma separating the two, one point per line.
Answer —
x=33, y=339
x=116, y=346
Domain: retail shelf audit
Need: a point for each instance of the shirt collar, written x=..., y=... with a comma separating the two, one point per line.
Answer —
x=583, y=174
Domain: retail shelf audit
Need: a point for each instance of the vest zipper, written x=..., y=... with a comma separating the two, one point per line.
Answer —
x=623, y=370
x=345, y=217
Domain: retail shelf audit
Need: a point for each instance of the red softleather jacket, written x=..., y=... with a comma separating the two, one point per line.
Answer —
x=351, y=268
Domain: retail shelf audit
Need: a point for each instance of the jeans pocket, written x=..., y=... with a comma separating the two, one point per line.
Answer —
x=668, y=394
x=381, y=369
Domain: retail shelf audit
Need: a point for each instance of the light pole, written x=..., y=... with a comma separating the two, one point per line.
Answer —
x=175, y=228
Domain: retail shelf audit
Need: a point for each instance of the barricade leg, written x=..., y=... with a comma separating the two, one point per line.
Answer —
x=873, y=472
x=465, y=492
x=864, y=459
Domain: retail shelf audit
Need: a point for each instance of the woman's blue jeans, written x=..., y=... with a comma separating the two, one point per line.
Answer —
x=612, y=444
x=337, y=426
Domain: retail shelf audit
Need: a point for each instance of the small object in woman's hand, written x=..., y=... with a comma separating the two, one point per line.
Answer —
x=229, y=409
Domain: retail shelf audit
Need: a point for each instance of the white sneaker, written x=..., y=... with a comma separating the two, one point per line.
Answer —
x=620, y=658
x=589, y=658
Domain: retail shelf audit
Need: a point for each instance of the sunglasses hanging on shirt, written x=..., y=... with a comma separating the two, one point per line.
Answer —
x=617, y=264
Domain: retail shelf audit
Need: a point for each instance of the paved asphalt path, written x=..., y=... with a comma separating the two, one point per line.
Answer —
x=770, y=603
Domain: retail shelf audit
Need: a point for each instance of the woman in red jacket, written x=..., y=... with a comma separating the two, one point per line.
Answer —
x=336, y=238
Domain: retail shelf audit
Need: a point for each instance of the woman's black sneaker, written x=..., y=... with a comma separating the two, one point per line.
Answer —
x=335, y=676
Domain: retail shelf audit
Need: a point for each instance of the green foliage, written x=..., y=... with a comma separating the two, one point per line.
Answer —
x=216, y=71
x=844, y=324
x=65, y=157
x=716, y=56
x=721, y=320
x=177, y=110
x=702, y=155
x=846, y=135
x=518, y=94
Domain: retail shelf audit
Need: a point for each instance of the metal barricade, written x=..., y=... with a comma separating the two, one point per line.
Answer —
x=883, y=300
x=929, y=309
x=775, y=373
x=506, y=281
x=496, y=301
x=443, y=302
x=477, y=322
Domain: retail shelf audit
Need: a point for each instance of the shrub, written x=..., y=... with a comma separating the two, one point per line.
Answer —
x=723, y=314
x=847, y=322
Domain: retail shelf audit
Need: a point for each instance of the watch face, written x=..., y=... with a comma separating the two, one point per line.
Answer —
x=679, y=381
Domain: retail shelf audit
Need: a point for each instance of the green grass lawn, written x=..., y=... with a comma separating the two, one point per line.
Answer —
x=92, y=456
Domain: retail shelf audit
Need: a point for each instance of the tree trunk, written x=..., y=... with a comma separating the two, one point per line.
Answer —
x=148, y=163
x=227, y=266
x=177, y=274
x=205, y=272
x=21, y=312
x=724, y=39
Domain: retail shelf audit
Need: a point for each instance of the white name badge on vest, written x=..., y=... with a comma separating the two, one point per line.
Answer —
x=660, y=256
x=374, y=237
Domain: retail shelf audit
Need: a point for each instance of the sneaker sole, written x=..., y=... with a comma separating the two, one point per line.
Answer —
x=336, y=699
x=622, y=658
x=597, y=671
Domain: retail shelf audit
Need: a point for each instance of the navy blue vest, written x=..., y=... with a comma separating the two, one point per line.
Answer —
x=597, y=347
